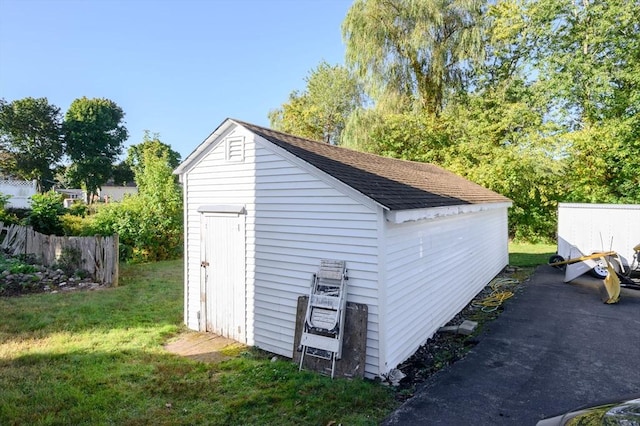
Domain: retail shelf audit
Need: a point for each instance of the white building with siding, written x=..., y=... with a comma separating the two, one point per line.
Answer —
x=598, y=227
x=19, y=192
x=262, y=208
x=111, y=193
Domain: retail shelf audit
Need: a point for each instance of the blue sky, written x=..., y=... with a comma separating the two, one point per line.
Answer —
x=178, y=68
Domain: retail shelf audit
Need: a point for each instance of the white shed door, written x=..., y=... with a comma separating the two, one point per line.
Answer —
x=223, y=275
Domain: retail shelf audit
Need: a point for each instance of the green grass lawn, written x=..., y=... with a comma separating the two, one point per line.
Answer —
x=97, y=358
x=526, y=255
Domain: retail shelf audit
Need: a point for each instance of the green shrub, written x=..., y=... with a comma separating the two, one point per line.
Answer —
x=78, y=208
x=6, y=216
x=148, y=231
x=16, y=265
x=46, y=210
x=77, y=226
x=4, y=200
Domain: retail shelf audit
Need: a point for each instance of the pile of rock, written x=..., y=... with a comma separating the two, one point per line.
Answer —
x=44, y=280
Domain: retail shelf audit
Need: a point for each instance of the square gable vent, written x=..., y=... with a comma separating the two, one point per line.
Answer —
x=234, y=147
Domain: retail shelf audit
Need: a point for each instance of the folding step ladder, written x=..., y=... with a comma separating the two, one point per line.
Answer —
x=323, y=329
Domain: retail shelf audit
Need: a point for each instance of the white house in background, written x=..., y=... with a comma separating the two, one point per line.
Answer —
x=116, y=192
x=71, y=195
x=262, y=208
x=107, y=193
x=20, y=192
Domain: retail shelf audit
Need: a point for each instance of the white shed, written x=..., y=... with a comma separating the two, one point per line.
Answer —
x=262, y=208
x=598, y=227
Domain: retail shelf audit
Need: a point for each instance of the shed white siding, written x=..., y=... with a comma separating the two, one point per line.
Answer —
x=299, y=220
x=414, y=269
x=598, y=227
x=434, y=268
x=216, y=181
x=293, y=220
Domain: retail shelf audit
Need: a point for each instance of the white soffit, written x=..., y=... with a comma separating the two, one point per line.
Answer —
x=402, y=216
x=221, y=208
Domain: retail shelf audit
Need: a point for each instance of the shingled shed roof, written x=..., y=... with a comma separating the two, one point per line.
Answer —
x=395, y=184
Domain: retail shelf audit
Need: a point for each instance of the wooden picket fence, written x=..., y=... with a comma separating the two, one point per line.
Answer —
x=98, y=255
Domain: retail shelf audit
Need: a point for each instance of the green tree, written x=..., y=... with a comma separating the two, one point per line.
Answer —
x=605, y=162
x=591, y=65
x=94, y=133
x=122, y=173
x=359, y=129
x=499, y=139
x=154, y=174
x=321, y=111
x=549, y=112
x=150, y=223
x=585, y=56
x=591, y=57
x=30, y=139
x=418, y=49
x=6, y=217
x=151, y=145
x=408, y=136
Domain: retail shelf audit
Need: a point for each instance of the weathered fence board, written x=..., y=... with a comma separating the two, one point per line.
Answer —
x=98, y=255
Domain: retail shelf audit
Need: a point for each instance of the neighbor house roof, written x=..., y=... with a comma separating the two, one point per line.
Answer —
x=395, y=184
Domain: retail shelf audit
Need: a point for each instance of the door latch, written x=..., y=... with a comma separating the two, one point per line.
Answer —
x=204, y=263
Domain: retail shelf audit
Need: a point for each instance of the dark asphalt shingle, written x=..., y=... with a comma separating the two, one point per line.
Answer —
x=395, y=184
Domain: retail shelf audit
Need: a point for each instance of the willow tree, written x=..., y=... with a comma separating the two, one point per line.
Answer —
x=417, y=49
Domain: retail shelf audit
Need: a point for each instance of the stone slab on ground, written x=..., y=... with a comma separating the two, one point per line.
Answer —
x=204, y=347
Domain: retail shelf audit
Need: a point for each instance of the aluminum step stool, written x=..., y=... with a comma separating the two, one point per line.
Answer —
x=323, y=332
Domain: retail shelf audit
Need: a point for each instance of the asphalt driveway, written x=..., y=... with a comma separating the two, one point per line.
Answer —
x=555, y=347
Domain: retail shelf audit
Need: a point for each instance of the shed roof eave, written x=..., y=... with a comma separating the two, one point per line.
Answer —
x=402, y=216
x=196, y=154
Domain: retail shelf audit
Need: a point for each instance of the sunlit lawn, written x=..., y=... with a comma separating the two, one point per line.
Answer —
x=527, y=255
x=98, y=358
